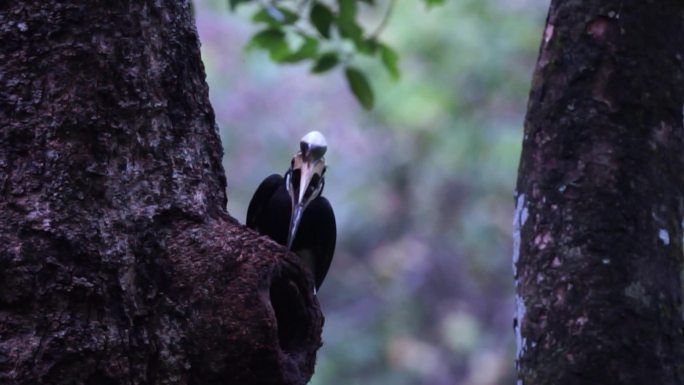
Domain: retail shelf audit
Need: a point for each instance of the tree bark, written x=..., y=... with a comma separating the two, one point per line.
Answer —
x=598, y=233
x=118, y=261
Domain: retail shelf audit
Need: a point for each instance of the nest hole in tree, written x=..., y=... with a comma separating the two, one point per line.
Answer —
x=292, y=316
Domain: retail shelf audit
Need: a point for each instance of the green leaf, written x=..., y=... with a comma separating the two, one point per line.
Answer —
x=350, y=29
x=273, y=41
x=347, y=10
x=307, y=50
x=325, y=62
x=390, y=59
x=431, y=3
x=234, y=3
x=367, y=46
x=322, y=17
x=347, y=24
x=360, y=87
x=275, y=16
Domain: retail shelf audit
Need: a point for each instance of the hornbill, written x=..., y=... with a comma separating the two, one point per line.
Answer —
x=291, y=210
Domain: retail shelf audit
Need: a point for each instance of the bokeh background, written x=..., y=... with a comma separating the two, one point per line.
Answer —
x=420, y=289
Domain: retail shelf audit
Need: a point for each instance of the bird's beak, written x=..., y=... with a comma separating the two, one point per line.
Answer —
x=299, y=204
x=307, y=173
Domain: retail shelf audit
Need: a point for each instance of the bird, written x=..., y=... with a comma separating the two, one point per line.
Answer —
x=291, y=210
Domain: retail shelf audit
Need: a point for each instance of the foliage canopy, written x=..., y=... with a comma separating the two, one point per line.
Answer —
x=328, y=34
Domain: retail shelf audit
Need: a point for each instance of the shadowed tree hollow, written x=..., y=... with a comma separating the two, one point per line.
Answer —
x=118, y=261
x=598, y=242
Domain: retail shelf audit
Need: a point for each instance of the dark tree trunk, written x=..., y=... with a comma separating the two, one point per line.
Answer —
x=118, y=262
x=598, y=243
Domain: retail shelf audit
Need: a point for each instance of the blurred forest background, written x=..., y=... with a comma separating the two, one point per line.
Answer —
x=420, y=290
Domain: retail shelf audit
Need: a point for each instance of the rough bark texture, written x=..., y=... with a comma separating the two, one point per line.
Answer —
x=118, y=262
x=599, y=198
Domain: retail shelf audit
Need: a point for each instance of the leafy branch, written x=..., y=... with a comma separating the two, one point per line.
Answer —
x=325, y=33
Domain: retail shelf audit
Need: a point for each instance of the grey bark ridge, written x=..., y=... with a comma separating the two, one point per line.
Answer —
x=599, y=198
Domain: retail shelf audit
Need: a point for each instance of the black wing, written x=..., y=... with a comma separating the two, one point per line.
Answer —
x=261, y=198
x=322, y=225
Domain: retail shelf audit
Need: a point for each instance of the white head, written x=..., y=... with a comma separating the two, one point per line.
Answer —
x=315, y=143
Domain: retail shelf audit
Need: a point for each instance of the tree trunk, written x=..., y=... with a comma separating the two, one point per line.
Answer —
x=118, y=262
x=598, y=234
